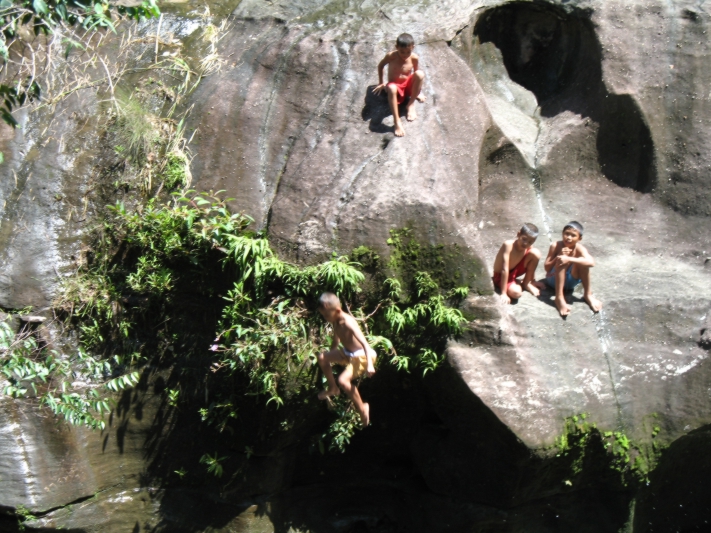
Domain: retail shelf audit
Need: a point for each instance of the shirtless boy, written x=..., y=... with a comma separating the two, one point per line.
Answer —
x=517, y=258
x=568, y=263
x=356, y=355
x=404, y=80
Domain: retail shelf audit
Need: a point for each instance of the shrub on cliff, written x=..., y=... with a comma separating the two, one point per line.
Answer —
x=189, y=285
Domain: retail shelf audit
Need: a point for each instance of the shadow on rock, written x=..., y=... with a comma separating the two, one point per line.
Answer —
x=678, y=495
x=557, y=56
x=376, y=109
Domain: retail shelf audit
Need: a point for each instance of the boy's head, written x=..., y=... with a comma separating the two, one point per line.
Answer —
x=572, y=232
x=329, y=305
x=405, y=44
x=527, y=235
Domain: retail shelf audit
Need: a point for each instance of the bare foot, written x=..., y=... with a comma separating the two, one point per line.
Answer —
x=562, y=307
x=365, y=415
x=539, y=285
x=533, y=289
x=399, y=132
x=593, y=302
x=421, y=98
x=411, y=113
x=327, y=394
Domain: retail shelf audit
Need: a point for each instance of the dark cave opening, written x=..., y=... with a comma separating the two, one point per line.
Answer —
x=555, y=54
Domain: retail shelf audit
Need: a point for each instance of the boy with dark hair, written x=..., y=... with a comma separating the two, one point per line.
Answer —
x=517, y=258
x=404, y=80
x=568, y=263
x=356, y=355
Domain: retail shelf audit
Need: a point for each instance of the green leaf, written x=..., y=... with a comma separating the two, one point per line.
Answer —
x=7, y=117
x=40, y=7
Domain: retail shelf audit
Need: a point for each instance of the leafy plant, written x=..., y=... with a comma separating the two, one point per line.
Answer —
x=267, y=332
x=632, y=460
x=138, y=129
x=339, y=434
x=213, y=463
x=28, y=366
x=42, y=17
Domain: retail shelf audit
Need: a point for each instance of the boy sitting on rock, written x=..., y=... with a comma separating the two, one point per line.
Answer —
x=356, y=355
x=404, y=80
x=568, y=263
x=517, y=258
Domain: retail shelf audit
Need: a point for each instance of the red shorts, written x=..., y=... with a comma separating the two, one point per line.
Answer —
x=512, y=279
x=404, y=88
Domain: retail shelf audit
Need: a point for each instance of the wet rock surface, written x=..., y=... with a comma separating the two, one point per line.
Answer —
x=594, y=111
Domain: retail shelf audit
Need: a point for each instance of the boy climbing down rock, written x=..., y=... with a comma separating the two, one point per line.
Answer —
x=356, y=355
x=404, y=80
x=568, y=263
x=517, y=258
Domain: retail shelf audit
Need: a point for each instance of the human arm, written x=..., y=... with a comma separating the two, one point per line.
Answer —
x=360, y=339
x=551, y=258
x=505, y=253
x=381, y=70
x=415, y=63
x=579, y=256
x=335, y=341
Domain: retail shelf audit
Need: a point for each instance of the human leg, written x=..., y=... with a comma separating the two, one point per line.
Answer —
x=514, y=290
x=346, y=384
x=417, y=79
x=583, y=274
x=392, y=101
x=325, y=360
x=560, y=302
x=528, y=283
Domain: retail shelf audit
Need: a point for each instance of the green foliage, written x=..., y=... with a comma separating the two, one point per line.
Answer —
x=366, y=257
x=148, y=265
x=138, y=129
x=175, y=173
x=213, y=463
x=632, y=460
x=45, y=16
x=16, y=96
x=28, y=366
x=339, y=434
x=23, y=515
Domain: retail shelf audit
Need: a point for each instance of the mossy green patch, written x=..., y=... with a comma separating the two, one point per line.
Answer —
x=449, y=264
x=175, y=173
x=613, y=450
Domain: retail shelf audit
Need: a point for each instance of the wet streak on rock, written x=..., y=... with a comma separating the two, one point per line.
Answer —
x=556, y=55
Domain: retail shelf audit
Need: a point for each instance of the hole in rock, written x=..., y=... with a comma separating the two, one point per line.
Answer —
x=557, y=56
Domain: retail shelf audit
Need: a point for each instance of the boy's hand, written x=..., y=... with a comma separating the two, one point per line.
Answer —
x=505, y=298
x=566, y=251
x=380, y=88
x=563, y=260
x=370, y=370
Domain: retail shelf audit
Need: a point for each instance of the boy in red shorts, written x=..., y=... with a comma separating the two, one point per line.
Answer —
x=517, y=258
x=404, y=80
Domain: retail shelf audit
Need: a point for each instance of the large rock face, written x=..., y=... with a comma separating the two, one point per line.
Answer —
x=542, y=112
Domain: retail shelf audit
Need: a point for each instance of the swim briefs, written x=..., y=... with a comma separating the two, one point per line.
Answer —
x=570, y=281
x=404, y=88
x=516, y=272
x=358, y=361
